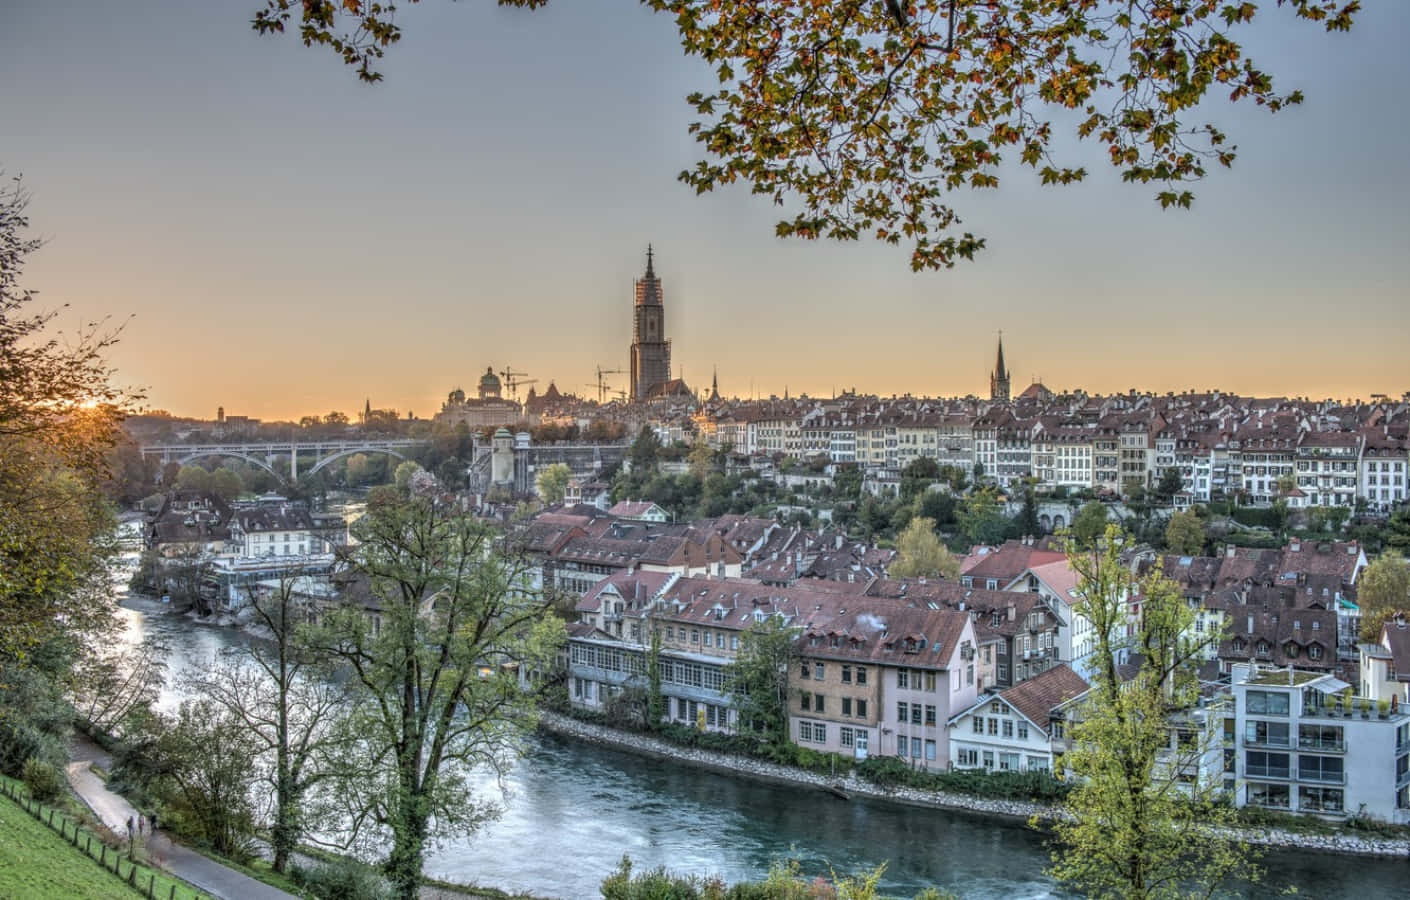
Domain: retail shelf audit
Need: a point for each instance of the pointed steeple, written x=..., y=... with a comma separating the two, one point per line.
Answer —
x=999, y=366
x=650, y=268
x=999, y=381
x=715, y=384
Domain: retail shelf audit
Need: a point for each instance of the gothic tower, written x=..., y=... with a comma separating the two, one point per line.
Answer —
x=651, y=352
x=999, y=381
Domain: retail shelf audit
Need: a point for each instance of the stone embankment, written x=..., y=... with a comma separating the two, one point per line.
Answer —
x=730, y=764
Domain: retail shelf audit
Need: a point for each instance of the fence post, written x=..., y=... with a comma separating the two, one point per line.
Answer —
x=151, y=882
x=171, y=894
x=88, y=844
x=103, y=855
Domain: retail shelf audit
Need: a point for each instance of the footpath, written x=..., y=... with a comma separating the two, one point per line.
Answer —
x=742, y=766
x=114, y=811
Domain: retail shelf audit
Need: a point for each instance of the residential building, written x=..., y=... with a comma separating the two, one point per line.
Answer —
x=1014, y=730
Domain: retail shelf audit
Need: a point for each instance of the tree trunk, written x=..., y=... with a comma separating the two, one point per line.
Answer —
x=408, y=854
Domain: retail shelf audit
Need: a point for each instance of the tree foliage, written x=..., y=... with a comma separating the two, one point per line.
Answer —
x=920, y=554
x=552, y=483
x=1184, y=533
x=757, y=681
x=861, y=117
x=1133, y=829
x=1383, y=589
x=981, y=518
x=435, y=672
x=1089, y=523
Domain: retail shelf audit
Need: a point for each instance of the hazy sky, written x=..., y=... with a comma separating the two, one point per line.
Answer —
x=289, y=240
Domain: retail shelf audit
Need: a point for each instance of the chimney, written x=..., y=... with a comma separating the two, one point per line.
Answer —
x=1013, y=612
x=1229, y=551
x=1295, y=546
x=1250, y=626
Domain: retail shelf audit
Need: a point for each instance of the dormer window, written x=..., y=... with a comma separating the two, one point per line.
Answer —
x=1291, y=651
x=1314, y=652
x=1263, y=648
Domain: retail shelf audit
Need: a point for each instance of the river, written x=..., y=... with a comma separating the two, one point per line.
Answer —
x=572, y=810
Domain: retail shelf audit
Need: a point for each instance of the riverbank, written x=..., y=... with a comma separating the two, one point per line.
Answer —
x=1012, y=810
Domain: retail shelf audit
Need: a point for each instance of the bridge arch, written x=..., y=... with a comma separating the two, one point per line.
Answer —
x=233, y=454
x=352, y=451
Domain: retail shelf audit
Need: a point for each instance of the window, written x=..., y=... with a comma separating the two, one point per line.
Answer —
x=695, y=635
x=845, y=737
x=967, y=758
x=902, y=678
x=930, y=750
x=1270, y=734
x=818, y=671
x=988, y=759
x=804, y=700
x=915, y=713
x=1267, y=703
x=1274, y=795
x=1258, y=764
x=719, y=640
x=804, y=671
x=818, y=703
x=903, y=712
x=819, y=733
x=861, y=675
x=930, y=715
x=846, y=674
x=1037, y=764
x=1008, y=728
x=846, y=706
x=1319, y=799
x=734, y=642
x=978, y=724
x=805, y=731
x=1320, y=768
x=1319, y=737
x=916, y=748
x=1023, y=733
x=930, y=681
x=994, y=726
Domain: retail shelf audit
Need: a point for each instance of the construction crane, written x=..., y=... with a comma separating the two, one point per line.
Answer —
x=512, y=380
x=603, y=389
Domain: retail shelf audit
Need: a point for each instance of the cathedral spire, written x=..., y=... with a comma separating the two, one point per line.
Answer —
x=999, y=366
x=650, y=270
x=999, y=381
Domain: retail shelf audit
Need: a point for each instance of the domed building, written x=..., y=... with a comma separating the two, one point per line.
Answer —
x=489, y=408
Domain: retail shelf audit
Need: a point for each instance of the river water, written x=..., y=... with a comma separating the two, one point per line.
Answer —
x=572, y=810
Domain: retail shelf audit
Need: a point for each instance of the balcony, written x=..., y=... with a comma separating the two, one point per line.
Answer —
x=1321, y=746
x=1322, y=777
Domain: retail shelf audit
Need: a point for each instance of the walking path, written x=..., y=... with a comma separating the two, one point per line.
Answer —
x=183, y=862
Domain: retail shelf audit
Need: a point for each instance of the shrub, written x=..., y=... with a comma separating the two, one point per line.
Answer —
x=344, y=879
x=43, y=779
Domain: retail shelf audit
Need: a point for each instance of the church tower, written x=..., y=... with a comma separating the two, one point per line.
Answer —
x=999, y=381
x=651, y=352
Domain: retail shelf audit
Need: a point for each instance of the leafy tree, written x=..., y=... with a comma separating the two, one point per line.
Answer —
x=655, y=700
x=226, y=484
x=335, y=418
x=1184, y=533
x=1089, y=523
x=1131, y=829
x=111, y=686
x=757, y=681
x=436, y=674
x=937, y=506
x=921, y=554
x=981, y=518
x=194, y=479
x=198, y=767
x=552, y=483
x=1169, y=485
x=847, y=481
x=1383, y=589
x=1027, y=523
x=918, y=475
x=1397, y=529
x=645, y=450
x=401, y=475
x=1286, y=485
x=812, y=101
x=289, y=699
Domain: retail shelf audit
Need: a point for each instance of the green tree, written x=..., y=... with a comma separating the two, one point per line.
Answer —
x=981, y=519
x=645, y=450
x=552, y=483
x=1383, y=589
x=1184, y=533
x=195, y=479
x=655, y=700
x=1089, y=523
x=939, y=507
x=1397, y=530
x=292, y=704
x=1131, y=829
x=757, y=681
x=919, y=553
x=811, y=101
x=847, y=481
x=702, y=459
x=1027, y=523
x=1169, y=485
x=226, y=484
x=918, y=475
x=402, y=474
x=436, y=674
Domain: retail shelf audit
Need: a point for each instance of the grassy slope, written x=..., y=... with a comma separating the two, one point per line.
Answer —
x=36, y=862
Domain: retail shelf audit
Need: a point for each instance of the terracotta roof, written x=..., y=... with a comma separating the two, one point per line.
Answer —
x=1036, y=697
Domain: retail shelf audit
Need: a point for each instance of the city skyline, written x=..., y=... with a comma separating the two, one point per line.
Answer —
x=290, y=241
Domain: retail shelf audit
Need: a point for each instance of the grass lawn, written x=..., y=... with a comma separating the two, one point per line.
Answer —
x=36, y=862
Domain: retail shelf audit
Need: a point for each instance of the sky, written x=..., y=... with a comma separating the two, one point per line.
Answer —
x=282, y=239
